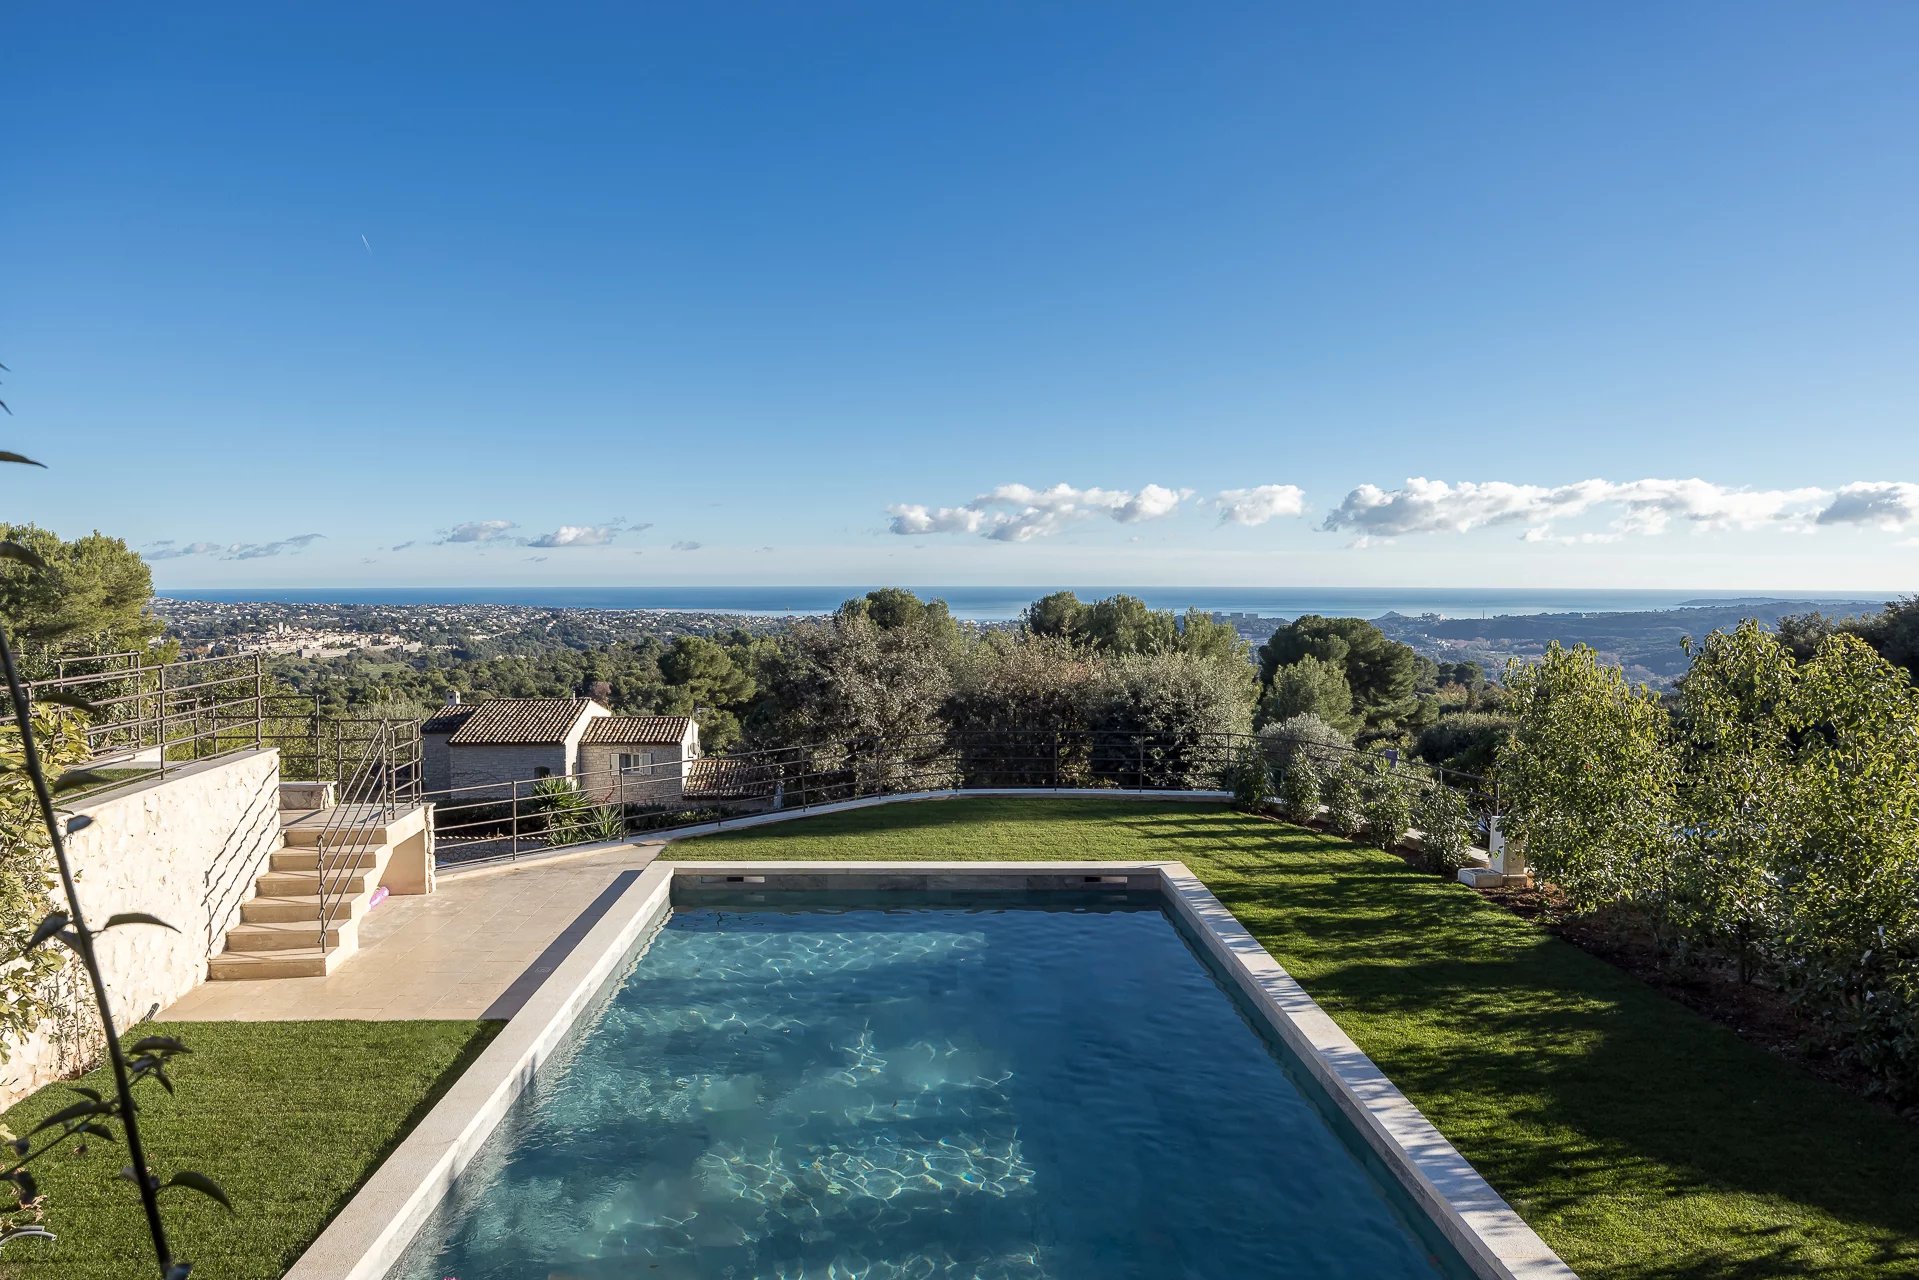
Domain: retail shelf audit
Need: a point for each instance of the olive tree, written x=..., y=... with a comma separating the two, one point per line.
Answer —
x=1739, y=716
x=1848, y=937
x=1588, y=780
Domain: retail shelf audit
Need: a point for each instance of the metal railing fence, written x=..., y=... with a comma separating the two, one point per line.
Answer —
x=147, y=719
x=317, y=747
x=370, y=796
x=503, y=820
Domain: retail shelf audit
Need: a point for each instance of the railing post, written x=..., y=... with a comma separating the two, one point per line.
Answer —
x=259, y=701
x=162, y=735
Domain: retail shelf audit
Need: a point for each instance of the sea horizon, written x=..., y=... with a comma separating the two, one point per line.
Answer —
x=1002, y=603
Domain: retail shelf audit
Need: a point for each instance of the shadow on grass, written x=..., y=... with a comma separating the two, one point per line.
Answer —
x=1571, y=1082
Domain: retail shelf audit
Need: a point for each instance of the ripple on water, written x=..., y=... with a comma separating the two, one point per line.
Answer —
x=1004, y=1094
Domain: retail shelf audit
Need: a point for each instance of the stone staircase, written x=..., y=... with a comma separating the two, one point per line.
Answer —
x=279, y=931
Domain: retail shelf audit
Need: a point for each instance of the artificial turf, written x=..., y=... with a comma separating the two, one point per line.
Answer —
x=1639, y=1139
x=288, y=1117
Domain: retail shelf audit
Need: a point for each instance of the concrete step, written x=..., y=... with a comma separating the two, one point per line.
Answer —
x=307, y=858
x=308, y=830
x=340, y=882
x=303, y=962
x=291, y=935
x=300, y=907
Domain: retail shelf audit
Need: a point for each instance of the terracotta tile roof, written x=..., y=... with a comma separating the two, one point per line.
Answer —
x=515, y=720
x=719, y=778
x=449, y=717
x=642, y=730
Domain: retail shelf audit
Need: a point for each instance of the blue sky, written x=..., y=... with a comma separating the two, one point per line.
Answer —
x=970, y=294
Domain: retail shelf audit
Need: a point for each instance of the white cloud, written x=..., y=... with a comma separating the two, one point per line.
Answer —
x=1640, y=507
x=912, y=518
x=1259, y=504
x=576, y=535
x=1651, y=504
x=1887, y=504
x=479, y=531
x=687, y=546
x=1020, y=513
x=1150, y=503
x=167, y=549
x=1434, y=506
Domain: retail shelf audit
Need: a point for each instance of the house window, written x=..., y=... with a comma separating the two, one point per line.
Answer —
x=640, y=762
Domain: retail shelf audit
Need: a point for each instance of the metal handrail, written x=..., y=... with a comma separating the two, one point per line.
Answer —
x=365, y=804
x=149, y=718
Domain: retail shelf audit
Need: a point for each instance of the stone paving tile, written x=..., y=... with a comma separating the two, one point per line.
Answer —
x=451, y=954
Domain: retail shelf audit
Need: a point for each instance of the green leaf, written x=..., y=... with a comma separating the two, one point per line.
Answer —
x=134, y=917
x=53, y=924
x=80, y=823
x=200, y=1182
x=85, y=1092
x=61, y=698
x=23, y=555
x=86, y=1107
x=6, y=456
x=29, y=1189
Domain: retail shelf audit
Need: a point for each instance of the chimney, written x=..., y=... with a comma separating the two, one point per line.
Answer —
x=454, y=699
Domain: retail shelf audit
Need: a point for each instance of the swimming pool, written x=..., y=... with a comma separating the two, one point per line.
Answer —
x=902, y=1085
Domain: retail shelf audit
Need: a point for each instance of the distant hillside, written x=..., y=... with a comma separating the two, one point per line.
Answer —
x=1646, y=644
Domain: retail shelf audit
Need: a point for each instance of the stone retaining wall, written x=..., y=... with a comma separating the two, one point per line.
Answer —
x=188, y=850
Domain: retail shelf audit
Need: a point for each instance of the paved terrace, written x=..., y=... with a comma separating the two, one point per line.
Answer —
x=474, y=948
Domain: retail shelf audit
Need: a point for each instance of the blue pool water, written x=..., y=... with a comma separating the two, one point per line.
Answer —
x=927, y=1091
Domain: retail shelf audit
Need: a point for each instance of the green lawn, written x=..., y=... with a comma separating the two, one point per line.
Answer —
x=289, y=1117
x=1638, y=1138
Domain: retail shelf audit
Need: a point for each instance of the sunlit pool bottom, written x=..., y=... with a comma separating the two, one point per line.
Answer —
x=811, y=1086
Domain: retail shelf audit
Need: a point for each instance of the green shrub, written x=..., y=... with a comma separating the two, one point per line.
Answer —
x=1304, y=735
x=1299, y=786
x=1248, y=778
x=1445, y=829
x=1345, y=800
x=1388, y=810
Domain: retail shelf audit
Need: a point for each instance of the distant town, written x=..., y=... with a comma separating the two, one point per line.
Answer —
x=1646, y=644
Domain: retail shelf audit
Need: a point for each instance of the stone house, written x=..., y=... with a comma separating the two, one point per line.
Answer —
x=478, y=750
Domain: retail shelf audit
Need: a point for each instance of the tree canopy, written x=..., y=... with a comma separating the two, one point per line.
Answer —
x=92, y=598
x=1382, y=675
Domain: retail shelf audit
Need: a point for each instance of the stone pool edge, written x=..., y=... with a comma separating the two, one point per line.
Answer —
x=377, y=1225
x=1488, y=1233
x=368, y=1236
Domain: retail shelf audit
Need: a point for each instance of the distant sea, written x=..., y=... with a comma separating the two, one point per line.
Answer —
x=994, y=604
